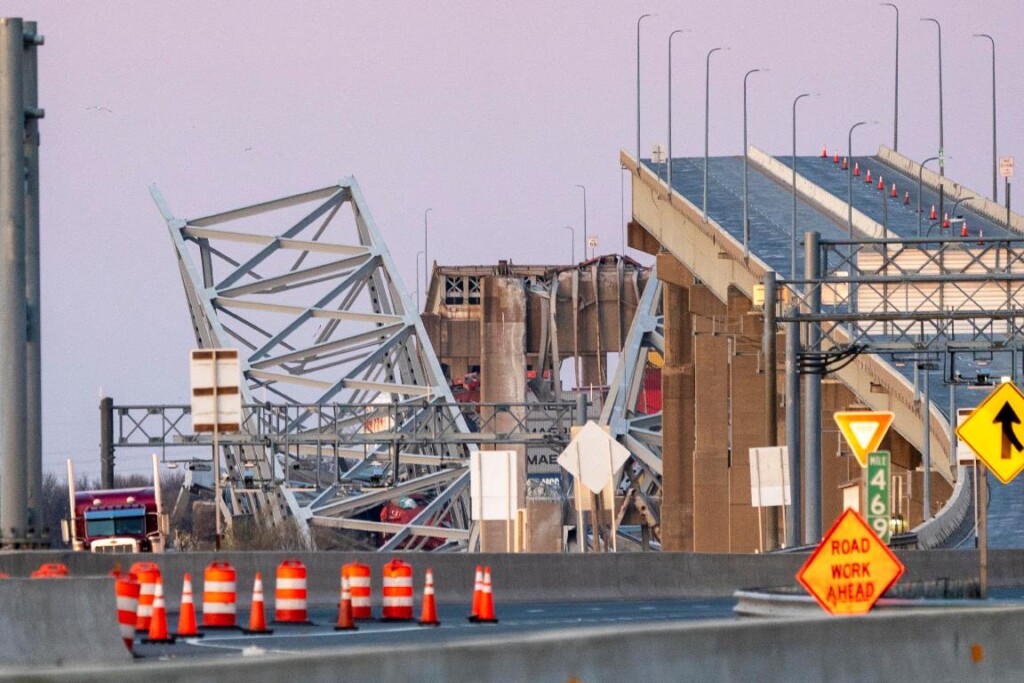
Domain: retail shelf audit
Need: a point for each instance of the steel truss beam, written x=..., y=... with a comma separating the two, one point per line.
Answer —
x=639, y=432
x=305, y=287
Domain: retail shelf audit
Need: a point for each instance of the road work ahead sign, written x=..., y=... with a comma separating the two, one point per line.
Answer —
x=994, y=431
x=851, y=568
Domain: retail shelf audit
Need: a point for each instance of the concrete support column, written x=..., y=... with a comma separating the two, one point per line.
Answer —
x=677, y=381
x=503, y=375
x=13, y=452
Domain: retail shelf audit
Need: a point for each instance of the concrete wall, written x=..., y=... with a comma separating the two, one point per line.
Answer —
x=941, y=645
x=524, y=577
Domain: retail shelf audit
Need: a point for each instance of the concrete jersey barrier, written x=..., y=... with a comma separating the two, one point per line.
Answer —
x=59, y=622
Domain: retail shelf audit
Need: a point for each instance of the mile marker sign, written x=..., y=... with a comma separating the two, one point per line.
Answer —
x=864, y=430
x=851, y=568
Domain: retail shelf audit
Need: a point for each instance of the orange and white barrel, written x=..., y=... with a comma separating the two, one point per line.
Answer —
x=219, y=595
x=397, y=601
x=290, y=598
x=147, y=573
x=126, y=589
x=358, y=576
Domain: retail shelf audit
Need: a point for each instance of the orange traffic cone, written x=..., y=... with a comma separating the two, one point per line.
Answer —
x=835, y=159
x=867, y=179
x=428, y=614
x=487, y=602
x=881, y=183
x=846, y=164
x=932, y=216
x=893, y=193
x=856, y=168
x=824, y=152
x=257, y=613
x=906, y=199
x=963, y=229
x=945, y=220
x=345, y=620
x=158, y=623
x=478, y=594
x=187, y=614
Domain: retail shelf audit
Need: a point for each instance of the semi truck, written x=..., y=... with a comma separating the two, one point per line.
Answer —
x=128, y=520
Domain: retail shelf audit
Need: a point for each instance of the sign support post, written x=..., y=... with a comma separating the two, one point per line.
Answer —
x=982, y=531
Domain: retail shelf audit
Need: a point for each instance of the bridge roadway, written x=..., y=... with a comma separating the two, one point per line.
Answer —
x=770, y=212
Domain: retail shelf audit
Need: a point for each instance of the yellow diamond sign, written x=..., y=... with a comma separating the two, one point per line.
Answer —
x=851, y=568
x=995, y=433
x=864, y=430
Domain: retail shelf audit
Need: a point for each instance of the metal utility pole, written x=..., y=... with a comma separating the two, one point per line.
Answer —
x=942, y=147
x=812, y=397
x=642, y=17
x=746, y=158
x=995, y=159
x=849, y=177
x=668, y=169
x=707, y=112
x=896, y=105
x=13, y=318
x=33, y=357
x=792, y=252
x=771, y=399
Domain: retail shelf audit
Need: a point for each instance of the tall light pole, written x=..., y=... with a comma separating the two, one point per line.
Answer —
x=792, y=253
x=896, y=105
x=426, y=267
x=942, y=149
x=572, y=242
x=920, y=174
x=584, y=220
x=995, y=160
x=707, y=109
x=642, y=17
x=418, y=255
x=746, y=197
x=849, y=176
x=668, y=171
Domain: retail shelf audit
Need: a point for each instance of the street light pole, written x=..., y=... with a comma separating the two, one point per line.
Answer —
x=849, y=176
x=995, y=160
x=418, y=255
x=920, y=173
x=572, y=241
x=942, y=149
x=896, y=106
x=746, y=197
x=668, y=169
x=792, y=253
x=584, y=220
x=426, y=268
x=707, y=108
x=642, y=17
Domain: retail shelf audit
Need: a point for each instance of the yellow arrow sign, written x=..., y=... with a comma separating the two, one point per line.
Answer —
x=864, y=430
x=995, y=433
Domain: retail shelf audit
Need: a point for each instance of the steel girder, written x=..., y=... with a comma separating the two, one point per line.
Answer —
x=305, y=287
x=640, y=433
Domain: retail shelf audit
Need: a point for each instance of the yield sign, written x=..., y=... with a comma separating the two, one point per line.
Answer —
x=851, y=568
x=994, y=432
x=593, y=456
x=864, y=430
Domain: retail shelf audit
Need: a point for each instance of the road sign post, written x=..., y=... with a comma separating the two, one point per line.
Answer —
x=851, y=568
x=878, y=494
x=216, y=407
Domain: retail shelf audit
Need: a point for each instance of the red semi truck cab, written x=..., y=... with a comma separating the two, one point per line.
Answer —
x=118, y=521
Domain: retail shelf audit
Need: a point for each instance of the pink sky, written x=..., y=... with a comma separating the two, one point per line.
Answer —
x=490, y=113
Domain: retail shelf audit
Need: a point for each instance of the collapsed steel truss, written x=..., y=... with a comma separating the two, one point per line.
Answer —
x=305, y=287
x=640, y=433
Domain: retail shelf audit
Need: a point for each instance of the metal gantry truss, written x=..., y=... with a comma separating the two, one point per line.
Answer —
x=909, y=295
x=305, y=287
